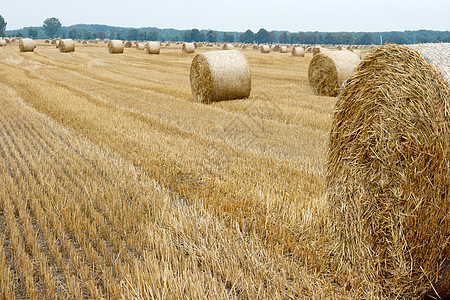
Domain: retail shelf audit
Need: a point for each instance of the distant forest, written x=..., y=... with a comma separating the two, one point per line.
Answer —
x=83, y=31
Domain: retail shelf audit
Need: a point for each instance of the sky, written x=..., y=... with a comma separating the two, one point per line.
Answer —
x=236, y=15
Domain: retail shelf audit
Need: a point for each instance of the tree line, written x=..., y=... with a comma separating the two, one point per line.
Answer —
x=52, y=28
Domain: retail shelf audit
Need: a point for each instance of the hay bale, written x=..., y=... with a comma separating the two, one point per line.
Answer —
x=84, y=42
x=128, y=44
x=188, y=48
x=27, y=45
x=319, y=49
x=227, y=47
x=8, y=41
x=388, y=171
x=265, y=49
x=220, y=75
x=2, y=43
x=283, y=49
x=140, y=46
x=298, y=51
x=47, y=41
x=66, y=45
x=152, y=47
x=327, y=71
x=357, y=52
x=115, y=46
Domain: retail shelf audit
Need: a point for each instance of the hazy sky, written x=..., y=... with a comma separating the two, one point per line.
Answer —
x=235, y=15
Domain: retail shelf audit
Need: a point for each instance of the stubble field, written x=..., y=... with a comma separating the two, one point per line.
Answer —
x=114, y=183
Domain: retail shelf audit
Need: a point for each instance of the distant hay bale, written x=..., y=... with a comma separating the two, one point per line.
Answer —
x=283, y=49
x=327, y=71
x=227, y=47
x=152, y=47
x=47, y=41
x=66, y=45
x=84, y=42
x=2, y=43
x=275, y=48
x=115, y=46
x=220, y=75
x=319, y=49
x=388, y=171
x=140, y=46
x=8, y=41
x=27, y=45
x=255, y=47
x=265, y=49
x=13, y=40
x=298, y=51
x=128, y=44
x=188, y=48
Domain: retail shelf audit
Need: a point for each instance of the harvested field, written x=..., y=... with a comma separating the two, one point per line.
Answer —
x=116, y=184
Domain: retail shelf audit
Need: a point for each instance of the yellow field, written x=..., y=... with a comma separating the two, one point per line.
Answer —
x=116, y=184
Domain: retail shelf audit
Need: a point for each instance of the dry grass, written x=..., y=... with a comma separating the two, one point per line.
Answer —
x=115, y=183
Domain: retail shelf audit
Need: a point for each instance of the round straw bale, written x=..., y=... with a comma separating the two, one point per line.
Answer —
x=153, y=47
x=2, y=43
x=220, y=75
x=128, y=44
x=283, y=49
x=298, y=51
x=188, y=48
x=319, y=49
x=255, y=47
x=66, y=45
x=8, y=41
x=115, y=46
x=140, y=46
x=195, y=44
x=27, y=45
x=357, y=52
x=227, y=47
x=13, y=40
x=84, y=42
x=388, y=171
x=265, y=49
x=57, y=44
x=327, y=71
x=47, y=41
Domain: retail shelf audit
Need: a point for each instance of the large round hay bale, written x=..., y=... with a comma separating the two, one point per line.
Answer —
x=298, y=51
x=227, y=47
x=47, y=41
x=357, y=52
x=115, y=46
x=388, y=171
x=66, y=45
x=265, y=49
x=27, y=45
x=188, y=48
x=283, y=49
x=319, y=49
x=140, y=46
x=328, y=71
x=220, y=75
x=128, y=44
x=8, y=41
x=152, y=47
x=57, y=43
x=2, y=43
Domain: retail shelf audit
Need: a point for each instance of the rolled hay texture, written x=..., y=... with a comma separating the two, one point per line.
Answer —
x=27, y=45
x=298, y=51
x=140, y=46
x=220, y=75
x=388, y=171
x=188, y=48
x=327, y=71
x=152, y=47
x=128, y=44
x=227, y=47
x=357, y=52
x=66, y=45
x=265, y=49
x=2, y=43
x=8, y=41
x=319, y=49
x=57, y=43
x=283, y=49
x=115, y=46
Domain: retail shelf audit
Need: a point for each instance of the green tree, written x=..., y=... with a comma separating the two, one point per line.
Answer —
x=302, y=38
x=87, y=35
x=248, y=36
x=32, y=33
x=293, y=38
x=153, y=35
x=93, y=35
x=132, y=34
x=311, y=38
x=364, y=39
x=187, y=36
x=118, y=36
x=2, y=26
x=101, y=35
x=142, y=36
x=397, y=39
x=174, y=38
x=51, y=27
x=19, y=34
x=112, y=34
x=329, y=39
x=262, y=36
x=345, y=38
x=421, y=39
x=211, y=36
x=272, y=37
x=228, y=37
x=197, y=36
x=73, y=33
x=283, y=38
